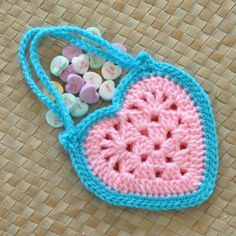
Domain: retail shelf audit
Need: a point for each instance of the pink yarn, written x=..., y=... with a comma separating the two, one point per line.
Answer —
x=154, y=146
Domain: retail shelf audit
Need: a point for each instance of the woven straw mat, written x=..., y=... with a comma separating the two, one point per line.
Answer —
x=40, y=194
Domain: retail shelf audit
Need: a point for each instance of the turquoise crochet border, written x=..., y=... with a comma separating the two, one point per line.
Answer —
x=73, y=141
x=73, y=137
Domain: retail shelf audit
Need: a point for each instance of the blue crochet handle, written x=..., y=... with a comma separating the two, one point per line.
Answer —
x=67, y=33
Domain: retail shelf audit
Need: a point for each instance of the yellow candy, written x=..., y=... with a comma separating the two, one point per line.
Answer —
x=57, y=86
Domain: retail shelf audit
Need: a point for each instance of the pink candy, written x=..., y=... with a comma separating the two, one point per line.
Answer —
x=69, y=70
x=89, y=94
x=120, y=46
x=71, y=51
x=74, y=84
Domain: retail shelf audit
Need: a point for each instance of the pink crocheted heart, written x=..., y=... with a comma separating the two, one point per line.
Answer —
x=154, y=146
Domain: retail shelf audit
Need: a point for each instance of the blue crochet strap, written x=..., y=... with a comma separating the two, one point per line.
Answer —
x=61, y=114
x=107, y=51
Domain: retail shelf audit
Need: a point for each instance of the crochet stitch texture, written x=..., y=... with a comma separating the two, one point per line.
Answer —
x=154, y=145
x=142, y=70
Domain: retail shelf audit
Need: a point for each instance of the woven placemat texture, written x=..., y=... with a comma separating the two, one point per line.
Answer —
x=40, y=193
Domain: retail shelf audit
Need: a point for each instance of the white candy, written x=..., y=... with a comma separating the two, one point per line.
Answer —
x=94, y=31
x=107, y=90
x=69, y=100
x=93, y=78
x=79, y=109
x=80, y=64
x=111, y=71
x=52, y=120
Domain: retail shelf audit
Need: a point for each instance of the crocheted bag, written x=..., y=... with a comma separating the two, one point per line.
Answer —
x=154, y=147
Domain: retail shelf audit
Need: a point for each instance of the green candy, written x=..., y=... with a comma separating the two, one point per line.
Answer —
x=95, y=61
x=92, y=30
x=58, y=64
x=79, y=109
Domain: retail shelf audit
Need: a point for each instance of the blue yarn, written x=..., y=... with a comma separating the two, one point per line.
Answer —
x=72, y=139
x=59, y=109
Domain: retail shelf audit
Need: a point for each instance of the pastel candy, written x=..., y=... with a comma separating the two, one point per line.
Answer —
x=107, y=90
x=95, y=61
x=71, y=51
x=111, y=71
x=79, y=109
x=120, y=46
x=94, y=31
x=52, y=120
x=57, y=86
x=89, y=94
x=80, y=64
x=93, y=78
x=69, y=70
x=69, y=100
x=58, y=64
x=74, y=83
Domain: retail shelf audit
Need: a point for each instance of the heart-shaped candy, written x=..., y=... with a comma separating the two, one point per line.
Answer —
x=111, y=71
x=71, y=51
x=74, y=83
x=80, y=64
x=58, y=64
x=79, y=109
x=94, y=31
x=107, y=90
x=69, y=70
x=89, y=94
x=95, y=61
x=93, y=78
x=52, y=120
x=69, y=100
